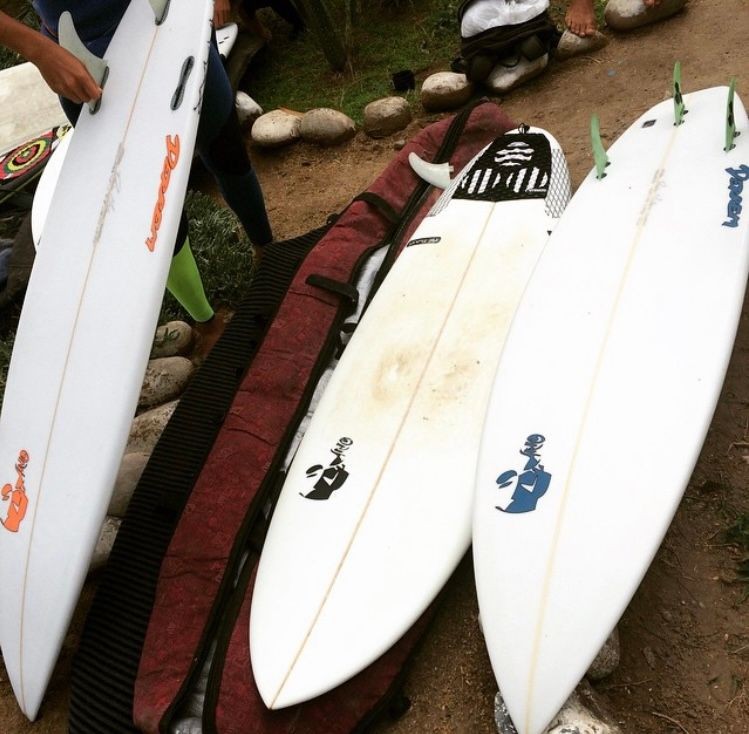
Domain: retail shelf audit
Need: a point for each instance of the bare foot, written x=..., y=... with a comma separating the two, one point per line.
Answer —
x=209, y=332
x=651, y=3
x=581, y=19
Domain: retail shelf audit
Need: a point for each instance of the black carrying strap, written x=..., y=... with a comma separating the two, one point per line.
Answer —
x=106, y=664
x=381, y=205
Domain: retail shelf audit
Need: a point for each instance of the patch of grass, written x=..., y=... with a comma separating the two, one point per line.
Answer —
x=418, y=35
x=222, y=252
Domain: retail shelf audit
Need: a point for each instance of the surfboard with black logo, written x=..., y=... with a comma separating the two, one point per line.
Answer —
x=375, y=513
x=605, y=391
x=87, y=325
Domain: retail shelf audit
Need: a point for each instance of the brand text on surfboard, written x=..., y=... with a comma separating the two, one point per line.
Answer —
x=735, y=187
x=170, y=163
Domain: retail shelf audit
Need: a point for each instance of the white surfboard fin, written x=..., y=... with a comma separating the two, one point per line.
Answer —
x=437, y=174
x=70, y=41
x=160, y=9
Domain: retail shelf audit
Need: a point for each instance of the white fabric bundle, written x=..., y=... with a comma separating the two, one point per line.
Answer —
x=484, y=14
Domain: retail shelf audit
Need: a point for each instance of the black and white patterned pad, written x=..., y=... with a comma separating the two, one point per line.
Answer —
x=517, y=166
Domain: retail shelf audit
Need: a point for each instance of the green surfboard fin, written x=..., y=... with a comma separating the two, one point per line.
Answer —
x=599, y=152
x=679, y=109
x=185, y=285
x=731, y=131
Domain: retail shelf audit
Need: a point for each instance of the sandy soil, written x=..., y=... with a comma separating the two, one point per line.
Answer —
x=685, y=636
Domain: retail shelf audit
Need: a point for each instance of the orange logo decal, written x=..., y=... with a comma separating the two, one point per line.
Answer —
x=17, y=496
x=170, y=163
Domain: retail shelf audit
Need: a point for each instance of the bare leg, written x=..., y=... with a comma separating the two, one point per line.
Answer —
x=581, y=18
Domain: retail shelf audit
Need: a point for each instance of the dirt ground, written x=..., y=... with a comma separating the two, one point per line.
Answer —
x=685, y=636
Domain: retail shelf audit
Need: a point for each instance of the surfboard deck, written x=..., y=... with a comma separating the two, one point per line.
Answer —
x=375, y=512
x=85, y=331
x=45, y=189
x=604, y=394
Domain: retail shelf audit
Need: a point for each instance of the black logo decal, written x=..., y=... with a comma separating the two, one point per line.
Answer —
x=424, y=241
x=331, y=477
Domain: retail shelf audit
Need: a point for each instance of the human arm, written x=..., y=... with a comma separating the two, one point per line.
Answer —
x=221, y=13
x=62, y=71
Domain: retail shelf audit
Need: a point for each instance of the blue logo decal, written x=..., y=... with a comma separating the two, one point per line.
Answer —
x=735, y=187
x=521, y=492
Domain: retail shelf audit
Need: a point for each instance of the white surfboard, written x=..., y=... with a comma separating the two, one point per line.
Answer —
x=45, y=188
x=28, y=107
x=376, y=511
x=85, y=332
x=604, y=394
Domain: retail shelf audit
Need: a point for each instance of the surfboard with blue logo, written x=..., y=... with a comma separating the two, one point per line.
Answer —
x=604, y=394
x=376, y=511
x=87, y=324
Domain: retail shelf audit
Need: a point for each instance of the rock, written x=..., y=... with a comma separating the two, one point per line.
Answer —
x=624, y=15
x=276, y=128
x=165, y=380
x=571, y=45
x=105, y=543
x=147, y=427
x=607, y=660
x=582, y=713
x=503, y=79
x=575, y=718
x=445, y=90
x=502, y=716
x=247, y=109
x=386, y=116
x=127, y=480
x=327, y=127
x=399, y=144
x=172, y=339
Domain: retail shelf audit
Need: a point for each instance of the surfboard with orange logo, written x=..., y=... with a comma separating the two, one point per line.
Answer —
x=88, y=320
